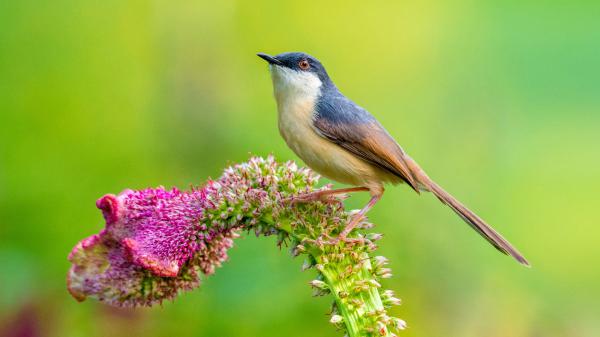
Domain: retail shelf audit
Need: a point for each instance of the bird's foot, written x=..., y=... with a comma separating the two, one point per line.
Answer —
x=343, y=238
x=323, y=194
x=306, y=198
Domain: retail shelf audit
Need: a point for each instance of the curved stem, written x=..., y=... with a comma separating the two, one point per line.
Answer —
x=356, y=295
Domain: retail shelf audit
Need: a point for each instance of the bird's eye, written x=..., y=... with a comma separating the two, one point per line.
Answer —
x=304, y=65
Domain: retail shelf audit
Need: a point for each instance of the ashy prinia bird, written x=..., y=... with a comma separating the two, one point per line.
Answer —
x=345, y=143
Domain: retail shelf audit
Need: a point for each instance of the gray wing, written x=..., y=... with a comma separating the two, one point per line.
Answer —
x=353, y=128
x=344, y=123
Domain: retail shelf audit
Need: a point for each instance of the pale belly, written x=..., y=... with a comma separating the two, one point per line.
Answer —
x=328, y=158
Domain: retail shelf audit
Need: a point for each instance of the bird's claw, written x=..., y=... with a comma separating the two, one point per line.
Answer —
x=345, y=239
x=304, y=198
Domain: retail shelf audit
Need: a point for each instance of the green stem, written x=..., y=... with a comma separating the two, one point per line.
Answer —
x=347, y=272
x=356, y=294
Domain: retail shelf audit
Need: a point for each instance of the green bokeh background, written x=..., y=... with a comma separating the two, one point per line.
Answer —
x=498, y=100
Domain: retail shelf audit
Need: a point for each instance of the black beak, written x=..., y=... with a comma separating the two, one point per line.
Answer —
x=269, y=59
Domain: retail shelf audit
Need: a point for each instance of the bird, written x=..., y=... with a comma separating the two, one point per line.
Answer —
x=345, y=143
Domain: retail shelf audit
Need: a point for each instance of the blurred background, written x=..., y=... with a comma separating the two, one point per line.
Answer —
x=498, y=100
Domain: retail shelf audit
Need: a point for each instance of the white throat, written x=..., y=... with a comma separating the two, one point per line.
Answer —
x=294, y=87
x=296, y=93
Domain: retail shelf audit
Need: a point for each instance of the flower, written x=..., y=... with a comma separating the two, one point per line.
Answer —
x=153, y=246
x=159, y=228
x=336, y=319
x=158, y=242
x=102, y=268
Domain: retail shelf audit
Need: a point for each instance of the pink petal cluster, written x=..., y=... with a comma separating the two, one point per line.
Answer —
x=158, y=242
x=142, y=255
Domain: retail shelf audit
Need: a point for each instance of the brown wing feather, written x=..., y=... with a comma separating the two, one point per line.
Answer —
x=372, y=143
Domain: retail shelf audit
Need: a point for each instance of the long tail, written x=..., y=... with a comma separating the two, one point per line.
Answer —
x=469, y=217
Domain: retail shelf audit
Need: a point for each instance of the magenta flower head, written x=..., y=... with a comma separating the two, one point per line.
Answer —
x=158, y=242
x=154, y=245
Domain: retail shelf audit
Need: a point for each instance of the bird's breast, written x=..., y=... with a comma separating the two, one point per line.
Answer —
x=295, y=125
x=325, y=157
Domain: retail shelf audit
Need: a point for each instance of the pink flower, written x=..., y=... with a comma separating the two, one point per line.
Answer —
x=158, y=242
x=153, y=246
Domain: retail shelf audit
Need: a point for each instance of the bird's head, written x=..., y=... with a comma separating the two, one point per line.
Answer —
x=296, y=73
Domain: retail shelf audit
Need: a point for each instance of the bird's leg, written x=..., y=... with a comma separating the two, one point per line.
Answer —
x=358, y=217
x=319, y=195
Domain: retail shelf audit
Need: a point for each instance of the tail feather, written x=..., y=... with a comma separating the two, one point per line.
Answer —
x=477, y=223
x=467, y=215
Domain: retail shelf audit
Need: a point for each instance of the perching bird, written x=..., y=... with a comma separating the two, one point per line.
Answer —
x=344, y=142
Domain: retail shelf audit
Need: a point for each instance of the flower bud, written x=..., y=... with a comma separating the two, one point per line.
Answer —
x=374, y=236
x=336, y=319
x=379, y=261
x=318, y=284
x=398, y=323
